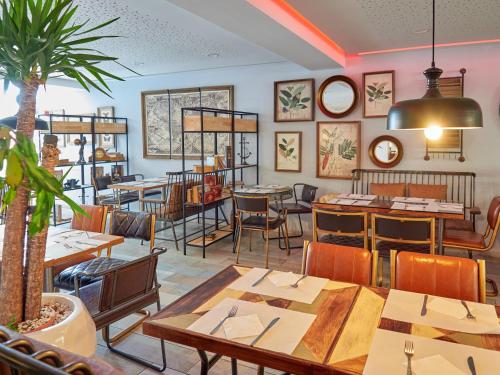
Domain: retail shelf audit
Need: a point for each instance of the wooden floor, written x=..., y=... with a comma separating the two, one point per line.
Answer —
x=178, y=274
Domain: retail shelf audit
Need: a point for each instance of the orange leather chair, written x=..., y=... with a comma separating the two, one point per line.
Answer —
x=439, y=275
x=96, y=222
x=340, y=263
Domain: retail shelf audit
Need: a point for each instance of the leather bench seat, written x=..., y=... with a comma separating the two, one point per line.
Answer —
x=292, y=208
x=66, y=278
x=457, y=224
x=467, y=239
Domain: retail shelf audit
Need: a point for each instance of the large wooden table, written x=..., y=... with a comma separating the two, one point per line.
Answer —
x=379, y=206
x=337, y=342
x=142, y=186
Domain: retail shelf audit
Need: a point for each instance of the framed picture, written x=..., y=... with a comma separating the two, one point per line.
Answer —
x=288, y=151
x=378, y=93
x=338, y=148
x=294, y=100
x=106, y=141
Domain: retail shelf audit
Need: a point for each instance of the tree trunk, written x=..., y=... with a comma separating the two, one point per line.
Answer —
x=36, y=250
x=11, y=291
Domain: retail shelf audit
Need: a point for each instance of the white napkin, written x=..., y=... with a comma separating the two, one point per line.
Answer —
x=398, y=206
x=432, y=365
x=415, y=207
x=283, y=278
x=242, y=326
x=452, y=308
x=346, y=202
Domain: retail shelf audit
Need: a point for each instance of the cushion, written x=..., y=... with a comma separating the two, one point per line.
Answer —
x=463, y=239
x=438, y=192
x=388, y=190
x=458, y=224
x=292, y=208
x=259, y=222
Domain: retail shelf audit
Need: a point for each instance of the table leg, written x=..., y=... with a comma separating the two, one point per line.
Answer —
x=48, y=280
x=141, y=202
x=234, y=366
x=206, y=364
x=163, y=193
x=440, y=235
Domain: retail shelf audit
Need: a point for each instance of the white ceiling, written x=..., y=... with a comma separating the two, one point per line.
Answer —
x=159, y=37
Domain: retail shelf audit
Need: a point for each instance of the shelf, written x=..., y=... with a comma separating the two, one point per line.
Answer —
x=220, y=233
x=67, y=127
x=240, y=166
x=75, y=164
x=208, y=204
x=217, y=124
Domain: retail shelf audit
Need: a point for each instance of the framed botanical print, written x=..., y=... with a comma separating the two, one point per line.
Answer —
x=378, y=93
x=338, y=147
x=288, y=151
x=106, y=141
x=294, y=100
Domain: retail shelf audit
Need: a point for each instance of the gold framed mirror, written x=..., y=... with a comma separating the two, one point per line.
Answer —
x=337, y=96
x=385, y=151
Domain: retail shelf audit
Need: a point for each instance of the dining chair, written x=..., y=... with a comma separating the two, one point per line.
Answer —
x=122, y=290
x=439, y=275
x=252, y=214
x=473, y=241
x=340, y=263
x=341, y=228
x=302, y=205
x=107, y=197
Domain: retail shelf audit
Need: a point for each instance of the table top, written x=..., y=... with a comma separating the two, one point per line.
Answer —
x=141, y=185
x=338, y=341
x=268, y=190
x=56, y=254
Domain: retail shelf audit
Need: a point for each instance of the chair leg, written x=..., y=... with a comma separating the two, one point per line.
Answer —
x=267, y=249
x=250, y=239
x=238, y=244
x=175, y=235
x=127, y=331
x=494, y=287
x=287, y=241
x=234, y=366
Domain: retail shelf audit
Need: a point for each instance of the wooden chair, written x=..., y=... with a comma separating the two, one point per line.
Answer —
x=122, y=290
x=258, y=219
x=477, y=242
x=439, y=275
x=341, y=263
x=341, y=228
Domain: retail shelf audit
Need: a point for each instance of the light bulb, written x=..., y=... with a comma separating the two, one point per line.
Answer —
x=433, y=132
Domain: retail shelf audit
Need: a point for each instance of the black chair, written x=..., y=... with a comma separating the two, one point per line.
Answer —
x=107, y=197
x=341, y=228
x=303, y=205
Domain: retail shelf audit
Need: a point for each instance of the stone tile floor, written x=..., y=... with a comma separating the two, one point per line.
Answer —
x=178, y=274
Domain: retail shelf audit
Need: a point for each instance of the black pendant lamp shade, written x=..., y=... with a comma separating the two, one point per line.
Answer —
x=11, y=122
x=434, y=110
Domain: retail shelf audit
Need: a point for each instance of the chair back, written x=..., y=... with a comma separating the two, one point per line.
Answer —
x=341, y=223
x=340, y=263
x=388, y=189
x=307, y=194
x=403, y=230
x=102, y=183
x=431, y=191
x=439, y=275
x=493, y=213
x=95, y=222
x=130, y=178
x=139, y=225
x=253, y=205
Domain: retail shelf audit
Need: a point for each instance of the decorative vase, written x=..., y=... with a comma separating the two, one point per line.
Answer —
x=76, y=334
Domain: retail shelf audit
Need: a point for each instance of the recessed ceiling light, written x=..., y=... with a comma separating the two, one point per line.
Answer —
x=213, y=55
x=421, y=31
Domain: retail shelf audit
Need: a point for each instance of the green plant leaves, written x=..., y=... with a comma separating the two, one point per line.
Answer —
x=14, y=172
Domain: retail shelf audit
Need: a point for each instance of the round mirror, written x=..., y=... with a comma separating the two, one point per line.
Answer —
x=337, y=96
x=386, y=151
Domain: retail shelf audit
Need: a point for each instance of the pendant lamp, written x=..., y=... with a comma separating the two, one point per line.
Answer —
x=11, y=122
x=433, y=111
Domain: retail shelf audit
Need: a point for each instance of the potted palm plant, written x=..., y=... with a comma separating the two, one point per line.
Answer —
x=39, y=39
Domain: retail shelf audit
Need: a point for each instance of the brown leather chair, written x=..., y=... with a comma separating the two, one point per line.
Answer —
x=122, y=290
x=388, y=190
x=252, y=214
x=474, y=241
x=439, y=192
x=439, y=275
x=340, y=263
x=341, y=228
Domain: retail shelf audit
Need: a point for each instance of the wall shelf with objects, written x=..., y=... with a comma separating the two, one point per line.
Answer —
x=91, y=145
x=209, y=185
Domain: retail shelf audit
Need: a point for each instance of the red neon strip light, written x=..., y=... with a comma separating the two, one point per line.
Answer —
x=428, y=46
x=287, y=16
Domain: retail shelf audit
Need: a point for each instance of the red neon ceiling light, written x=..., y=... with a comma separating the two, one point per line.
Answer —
x=288, y=17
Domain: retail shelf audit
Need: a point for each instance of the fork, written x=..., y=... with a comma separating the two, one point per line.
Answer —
x=409, y=351
x=230, y=314
x=469, y=314
x=296, y=284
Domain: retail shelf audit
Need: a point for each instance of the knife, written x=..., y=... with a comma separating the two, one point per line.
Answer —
x=262, y=277
x=423, y=312
x=271, y=323
x=472, y=367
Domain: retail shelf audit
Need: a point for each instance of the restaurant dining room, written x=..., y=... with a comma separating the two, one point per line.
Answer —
x=226, y=187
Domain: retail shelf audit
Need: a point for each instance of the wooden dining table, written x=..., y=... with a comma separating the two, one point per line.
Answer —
x=63, y=246
x=347, y=317
x=384, y=206
x=142, y=186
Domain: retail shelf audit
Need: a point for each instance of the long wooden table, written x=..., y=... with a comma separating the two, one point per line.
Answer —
x=142, y=186
x=338, y=341
x=379, y=206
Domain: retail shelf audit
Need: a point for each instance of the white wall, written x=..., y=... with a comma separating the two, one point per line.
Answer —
x=254, y=92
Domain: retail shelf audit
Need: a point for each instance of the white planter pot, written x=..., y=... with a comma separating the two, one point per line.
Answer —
x=76, y=334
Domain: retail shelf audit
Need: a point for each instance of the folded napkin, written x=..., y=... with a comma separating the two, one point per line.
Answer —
x=432, y=365
x=453, y=308
x=283, y=278
x=242, y=326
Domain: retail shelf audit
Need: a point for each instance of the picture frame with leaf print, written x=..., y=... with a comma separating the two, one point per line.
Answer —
x=288, y=151
x=379, y=93
x=338, y=148
x=294, y=100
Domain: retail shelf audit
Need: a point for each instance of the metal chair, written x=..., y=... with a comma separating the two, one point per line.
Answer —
x=257, y=210
x=341, y=228
x=302, y=205
x=107, y=197
x=439, y=275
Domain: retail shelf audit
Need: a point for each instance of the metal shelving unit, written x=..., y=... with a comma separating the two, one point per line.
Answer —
x=219, y=232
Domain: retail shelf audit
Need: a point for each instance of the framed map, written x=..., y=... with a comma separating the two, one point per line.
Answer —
x=162, y=121
x=337, y=148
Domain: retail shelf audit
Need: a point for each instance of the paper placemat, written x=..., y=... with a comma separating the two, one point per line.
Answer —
x=387, y=355
x=283, y=337
x=446, y=207
x=306, y=292
x=367, y=197
x=406, y=307
x=413, y=200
